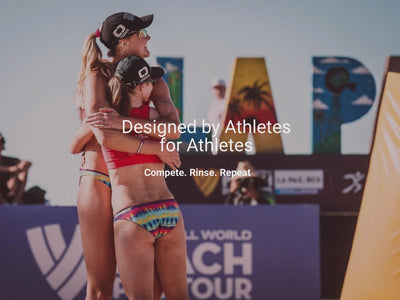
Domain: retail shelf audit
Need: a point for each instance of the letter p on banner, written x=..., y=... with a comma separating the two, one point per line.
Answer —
x=343, y=91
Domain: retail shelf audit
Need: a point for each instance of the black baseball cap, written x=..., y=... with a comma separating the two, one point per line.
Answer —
x=117, y=26
x=136, y=70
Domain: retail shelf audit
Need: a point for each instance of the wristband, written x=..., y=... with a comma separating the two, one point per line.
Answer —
x=140, y=146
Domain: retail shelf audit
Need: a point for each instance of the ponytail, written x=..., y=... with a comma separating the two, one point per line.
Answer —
x=119, y=96
x=92, y=61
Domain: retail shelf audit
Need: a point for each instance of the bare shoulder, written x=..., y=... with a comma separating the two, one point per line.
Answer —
x=160, y=83
x=95, y=78
x=160, y=91
x=95, y=91
x=163, y=103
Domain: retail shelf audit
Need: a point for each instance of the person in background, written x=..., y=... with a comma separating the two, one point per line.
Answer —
x=35, y=196
x=217, y=108
x=13, y=176
x=247, y=189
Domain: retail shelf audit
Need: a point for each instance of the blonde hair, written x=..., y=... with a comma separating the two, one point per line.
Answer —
x=92, y=61
x=120, y=95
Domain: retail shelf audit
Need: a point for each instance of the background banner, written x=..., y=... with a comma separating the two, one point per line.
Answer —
x=250, y=101
x=343, y=91
x=373, y=269
x=292, y=179
x=173, y=67
x=260, y=257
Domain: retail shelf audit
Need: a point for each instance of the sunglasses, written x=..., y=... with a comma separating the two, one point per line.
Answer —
x=142, y=33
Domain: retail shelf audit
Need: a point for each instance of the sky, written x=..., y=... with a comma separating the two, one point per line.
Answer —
x=40, y=58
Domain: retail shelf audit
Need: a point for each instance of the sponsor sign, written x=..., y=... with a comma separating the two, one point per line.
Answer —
x=299, y=182
x=335, y=182
x=233, y=253
x=354, y=182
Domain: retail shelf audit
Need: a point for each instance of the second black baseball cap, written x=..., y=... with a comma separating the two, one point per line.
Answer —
x=117, y=26
x=136, y=70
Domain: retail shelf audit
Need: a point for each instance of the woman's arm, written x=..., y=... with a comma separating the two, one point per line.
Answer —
x=108, y=118
x=122, y=142
x=19, y=166
x=80, y=139
x=95, y=88
x=9, y=169
x=154, y=114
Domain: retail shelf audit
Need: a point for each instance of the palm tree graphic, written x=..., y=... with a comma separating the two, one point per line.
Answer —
x=255, y=95
x=235, y=109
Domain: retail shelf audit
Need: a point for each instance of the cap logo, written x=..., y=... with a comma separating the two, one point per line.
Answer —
x=143, y=72
x=120, y=31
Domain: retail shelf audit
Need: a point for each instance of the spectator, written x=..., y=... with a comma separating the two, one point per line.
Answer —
x=247, y=189
x=13, y=176
x=35, y=195
x=217, y=109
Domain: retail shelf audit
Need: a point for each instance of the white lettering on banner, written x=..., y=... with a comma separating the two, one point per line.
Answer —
x=235, y=288
x=243, y=288
x=228, y=289
x=230, y=260
x=209, y=289
x=223, y=235
x=299, y=179
x=198, y=261
x=215, y=269
x=191, y=235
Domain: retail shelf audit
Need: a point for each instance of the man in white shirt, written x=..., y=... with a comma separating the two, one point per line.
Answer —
x=217, y=108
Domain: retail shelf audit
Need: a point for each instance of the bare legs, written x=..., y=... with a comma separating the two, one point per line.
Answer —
x=96, y=225
x=140, y=258
x=135, y=258
x=170, y=255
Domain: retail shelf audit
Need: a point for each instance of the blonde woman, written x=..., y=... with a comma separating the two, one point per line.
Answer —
x=123, y=34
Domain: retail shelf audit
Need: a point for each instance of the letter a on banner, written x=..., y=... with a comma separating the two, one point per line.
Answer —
x=174, y=78
x=250, y=102
x=373, y=271
x=343, y=91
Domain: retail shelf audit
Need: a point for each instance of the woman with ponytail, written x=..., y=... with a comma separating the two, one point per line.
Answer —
x=124, y=35
x=149, y=232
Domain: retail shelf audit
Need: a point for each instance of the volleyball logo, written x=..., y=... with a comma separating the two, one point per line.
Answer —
x=62, y=265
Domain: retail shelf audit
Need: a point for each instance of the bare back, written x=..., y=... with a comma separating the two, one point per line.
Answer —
x=131, y=186
x=94, y=96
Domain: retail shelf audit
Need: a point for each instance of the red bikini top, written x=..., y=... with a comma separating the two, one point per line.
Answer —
x=118, y=159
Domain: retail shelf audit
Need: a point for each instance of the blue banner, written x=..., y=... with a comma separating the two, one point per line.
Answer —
x=173, y=67
x=264, y=252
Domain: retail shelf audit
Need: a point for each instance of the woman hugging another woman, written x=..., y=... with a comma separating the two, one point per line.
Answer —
x=149, y=232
